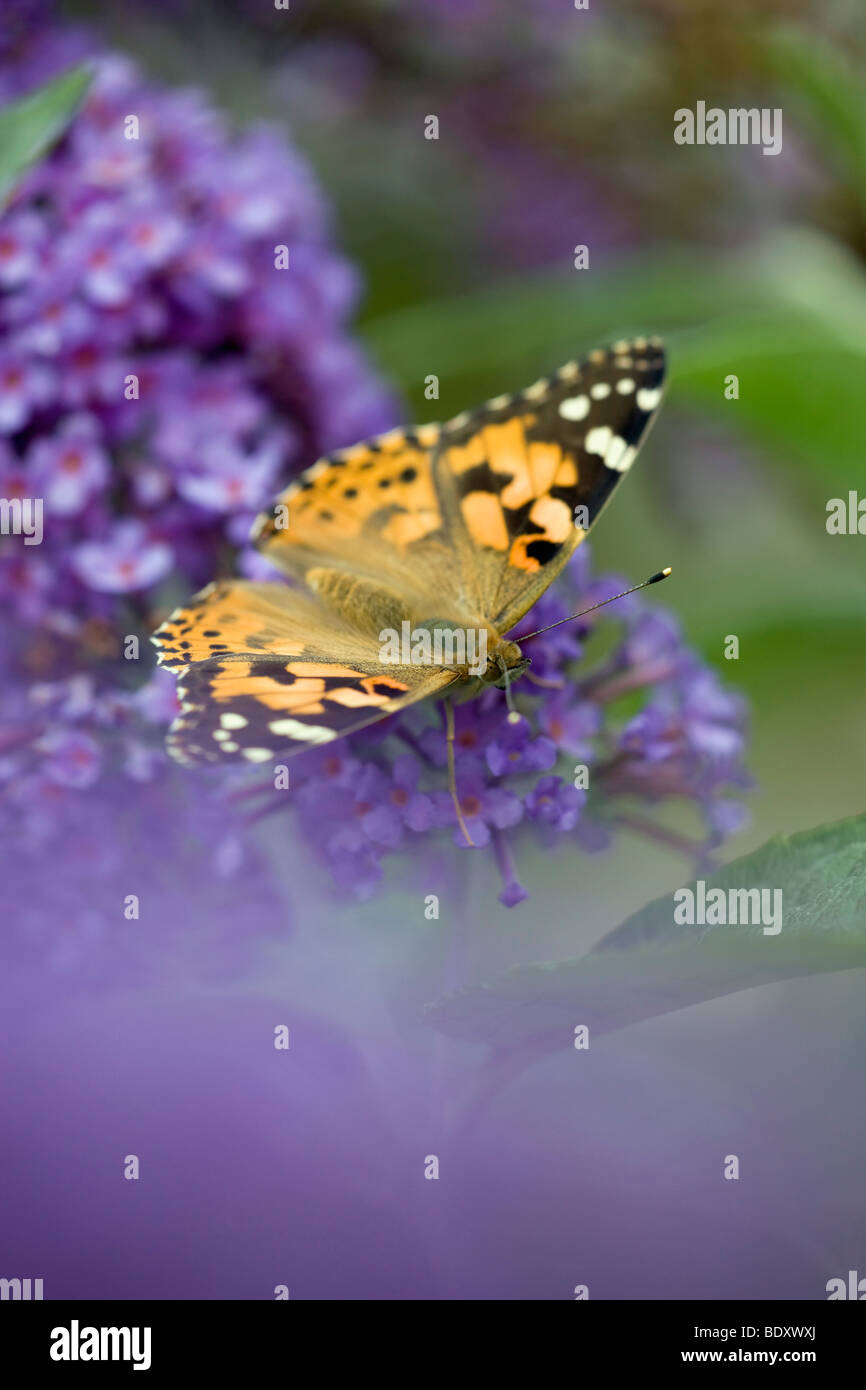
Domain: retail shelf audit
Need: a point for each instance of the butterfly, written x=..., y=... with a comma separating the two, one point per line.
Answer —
x=436, y=530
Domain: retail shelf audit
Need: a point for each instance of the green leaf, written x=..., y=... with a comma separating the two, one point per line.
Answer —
x=29, y=127
x=800, y=362
x=535, y=322
x=650, y=966
x=788, y=318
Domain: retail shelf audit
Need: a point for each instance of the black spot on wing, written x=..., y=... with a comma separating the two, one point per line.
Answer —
x=543, y=551
x=482, y=478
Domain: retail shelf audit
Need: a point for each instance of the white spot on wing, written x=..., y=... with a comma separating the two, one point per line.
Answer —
x=612, y=447
x=574, y=407
x=600, y=390
x=233, y=721
x=619, y=456
x=598, y=440
x=648, y=397
x=306, y=733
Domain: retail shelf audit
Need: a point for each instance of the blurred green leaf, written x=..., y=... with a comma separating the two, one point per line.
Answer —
x=650, y=966
x=801, y=361
x=537, y=321
x=830, y=92
x=788, y=317
x=30, y=126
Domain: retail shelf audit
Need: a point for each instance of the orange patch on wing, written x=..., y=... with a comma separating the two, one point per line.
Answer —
x=482, y=513
x=353, y=698
x=519, y=491
x=387, y=490
x=274, y=694
x=505, y=444
x=544, y=460
x=464, y=456
x=306, y=694
x=239, y=669
x=398, y=686
x=554, y=515
x=518, y=557
x=556, y=518
x=405, y=527
x=226, y=616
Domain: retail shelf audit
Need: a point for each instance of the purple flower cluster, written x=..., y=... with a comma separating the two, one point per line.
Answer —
x=159, y=376
x=160, y=379
x=580, y=763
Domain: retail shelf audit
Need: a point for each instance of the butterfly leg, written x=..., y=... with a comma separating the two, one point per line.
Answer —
x=452, y=774
x=513, y=716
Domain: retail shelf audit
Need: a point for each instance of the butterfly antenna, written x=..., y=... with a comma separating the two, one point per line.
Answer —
x=653, y=579
x=452, y=774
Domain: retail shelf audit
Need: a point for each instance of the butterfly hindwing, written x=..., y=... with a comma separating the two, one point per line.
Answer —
x=261, y=708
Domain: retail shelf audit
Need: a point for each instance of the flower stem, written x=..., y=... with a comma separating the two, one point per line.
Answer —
x=693, y=849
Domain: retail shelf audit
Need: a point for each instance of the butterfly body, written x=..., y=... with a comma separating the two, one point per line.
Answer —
x=398, y=550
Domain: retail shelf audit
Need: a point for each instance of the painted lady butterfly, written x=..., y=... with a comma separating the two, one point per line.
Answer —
x=464, y=524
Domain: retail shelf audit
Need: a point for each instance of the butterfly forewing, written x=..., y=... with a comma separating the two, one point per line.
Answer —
x=528, y=475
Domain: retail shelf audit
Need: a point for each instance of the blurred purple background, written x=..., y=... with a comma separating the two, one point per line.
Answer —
x=154, y=1035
